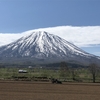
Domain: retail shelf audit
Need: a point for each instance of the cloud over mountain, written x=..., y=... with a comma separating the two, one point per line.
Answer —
x=81, y=36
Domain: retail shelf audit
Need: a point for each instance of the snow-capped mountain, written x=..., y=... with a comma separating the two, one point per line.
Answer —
x=44, y=47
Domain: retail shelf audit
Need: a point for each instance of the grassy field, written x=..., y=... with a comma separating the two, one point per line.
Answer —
x=29, y=90
x=81, y=75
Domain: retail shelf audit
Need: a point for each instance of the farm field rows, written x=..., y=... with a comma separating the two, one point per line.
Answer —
x=29, y=90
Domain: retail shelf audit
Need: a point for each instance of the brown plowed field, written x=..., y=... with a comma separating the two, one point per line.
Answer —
x=21, y=90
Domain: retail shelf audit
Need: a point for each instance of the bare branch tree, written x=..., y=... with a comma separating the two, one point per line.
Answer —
x=93, y=69
x=73, y=72
x=64, y=69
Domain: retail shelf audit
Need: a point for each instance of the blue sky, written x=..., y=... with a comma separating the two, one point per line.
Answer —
x=21, y=15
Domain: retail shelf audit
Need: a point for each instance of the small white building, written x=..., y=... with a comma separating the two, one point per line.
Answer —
x=22, y=71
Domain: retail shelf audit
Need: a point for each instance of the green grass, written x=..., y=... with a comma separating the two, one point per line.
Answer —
x=82, y=75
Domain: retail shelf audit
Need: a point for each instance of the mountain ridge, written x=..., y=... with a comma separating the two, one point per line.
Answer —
x=43, y=46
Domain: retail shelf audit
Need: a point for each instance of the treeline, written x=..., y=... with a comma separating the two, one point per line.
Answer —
x=49, y=65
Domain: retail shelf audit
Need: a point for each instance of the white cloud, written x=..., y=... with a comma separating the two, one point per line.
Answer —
x=81, y=36
x=7, y=38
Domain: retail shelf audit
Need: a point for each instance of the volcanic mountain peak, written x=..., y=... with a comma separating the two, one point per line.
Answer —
x=40, y=44
x=48, y=42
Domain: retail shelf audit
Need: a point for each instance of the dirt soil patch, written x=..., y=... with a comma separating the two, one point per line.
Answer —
x=21, y=90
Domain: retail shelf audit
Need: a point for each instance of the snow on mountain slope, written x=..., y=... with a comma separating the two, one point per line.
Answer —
x=41, y=44
x=44, y=43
